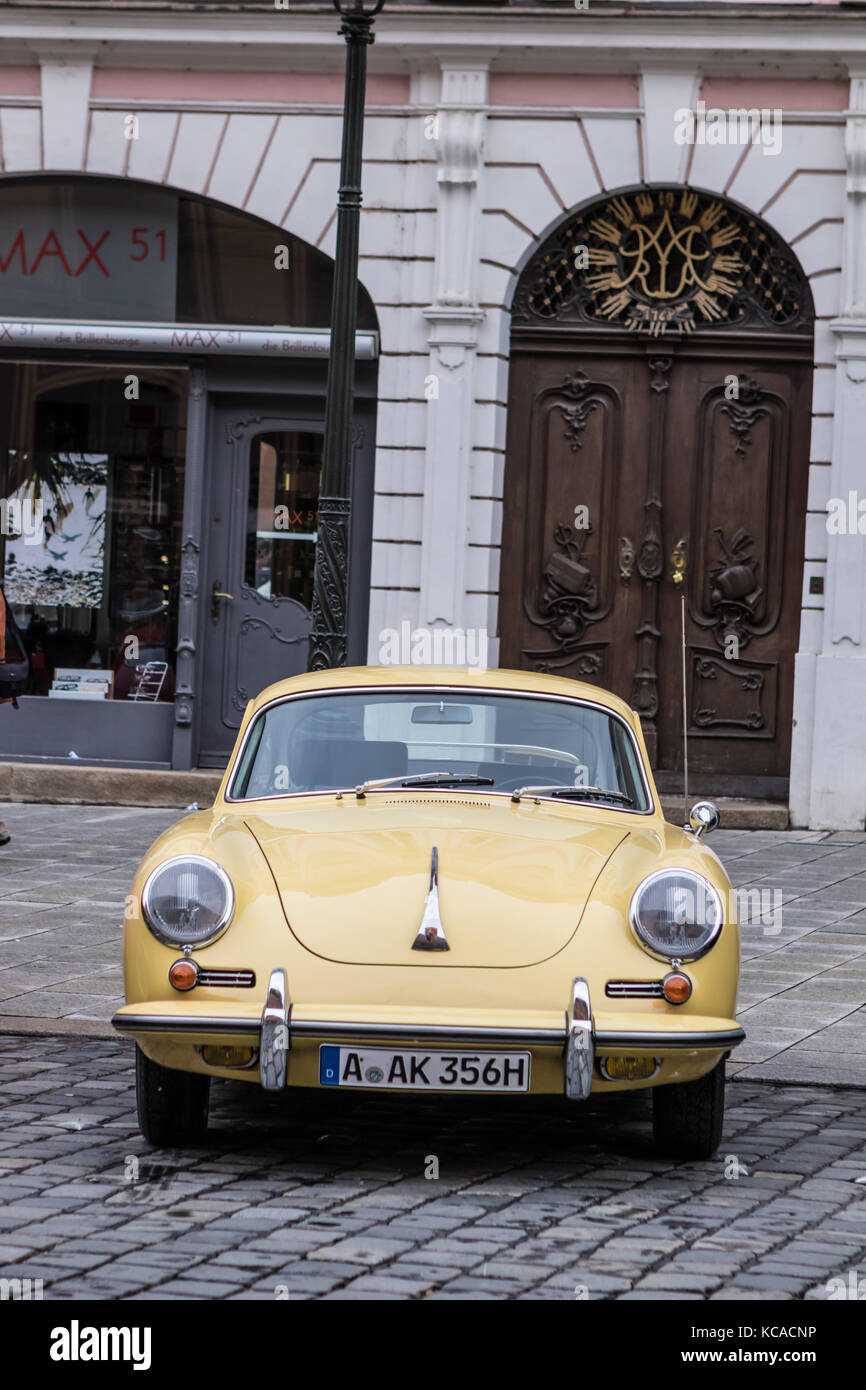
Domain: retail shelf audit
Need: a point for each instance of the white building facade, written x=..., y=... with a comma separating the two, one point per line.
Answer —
x=487, y=129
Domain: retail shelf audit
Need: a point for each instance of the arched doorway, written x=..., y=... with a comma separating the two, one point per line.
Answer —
x=163, y=372
x=658, y=441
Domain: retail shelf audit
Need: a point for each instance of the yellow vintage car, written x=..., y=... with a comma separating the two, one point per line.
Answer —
x=427, y=879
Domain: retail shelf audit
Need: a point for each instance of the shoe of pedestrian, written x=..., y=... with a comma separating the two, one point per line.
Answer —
x=5, y=837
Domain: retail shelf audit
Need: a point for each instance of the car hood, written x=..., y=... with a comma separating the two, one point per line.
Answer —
x=513, y=879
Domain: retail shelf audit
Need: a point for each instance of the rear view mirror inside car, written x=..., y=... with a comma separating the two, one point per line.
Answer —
x=442, y=714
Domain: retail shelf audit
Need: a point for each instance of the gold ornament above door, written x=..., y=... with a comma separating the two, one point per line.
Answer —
x=665, y=260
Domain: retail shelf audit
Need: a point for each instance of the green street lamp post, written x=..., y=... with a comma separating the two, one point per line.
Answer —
x=328, y=638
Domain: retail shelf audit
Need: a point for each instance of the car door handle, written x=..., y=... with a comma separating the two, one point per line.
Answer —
x=216, y=594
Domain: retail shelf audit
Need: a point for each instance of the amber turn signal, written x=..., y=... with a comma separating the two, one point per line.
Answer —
x=628, y=1068
x=183, y=974
x=219, y=1056
x=676, y=987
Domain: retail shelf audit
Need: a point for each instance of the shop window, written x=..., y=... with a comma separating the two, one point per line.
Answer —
x=285, y=473
x=95, y=480
x=117, y=249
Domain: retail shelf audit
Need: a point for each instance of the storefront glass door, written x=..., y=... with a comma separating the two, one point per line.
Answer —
x=256, y=602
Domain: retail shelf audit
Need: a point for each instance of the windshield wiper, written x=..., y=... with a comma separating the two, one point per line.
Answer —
x=557, y=789
x=425, y=779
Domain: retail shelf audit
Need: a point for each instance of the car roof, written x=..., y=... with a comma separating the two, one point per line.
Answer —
x=444, y=677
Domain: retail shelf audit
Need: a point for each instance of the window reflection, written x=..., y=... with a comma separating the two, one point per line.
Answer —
x=94, y=589
x=282, y=518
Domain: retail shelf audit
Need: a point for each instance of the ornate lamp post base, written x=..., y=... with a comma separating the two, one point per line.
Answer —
x=328, y=640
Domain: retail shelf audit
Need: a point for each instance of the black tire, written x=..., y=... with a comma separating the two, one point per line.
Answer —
x=688, y=1116
x=172, y=1105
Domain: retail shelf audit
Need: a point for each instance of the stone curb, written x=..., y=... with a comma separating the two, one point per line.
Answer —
x=736, y=815
x=62, y=784
x=57, y=1027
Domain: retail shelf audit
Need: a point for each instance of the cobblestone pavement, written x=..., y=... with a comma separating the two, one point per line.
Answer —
x=802, y=998
x=63, y=883
x=322, y=1195
x=64, y=878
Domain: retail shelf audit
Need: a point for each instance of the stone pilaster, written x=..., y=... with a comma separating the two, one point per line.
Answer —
x=837, y=790
x=453, y=323
x=66, y=79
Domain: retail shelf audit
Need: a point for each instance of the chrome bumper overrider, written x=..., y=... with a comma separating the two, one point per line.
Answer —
x=579, y=1045
x=275, y=1043
x=275, y=1030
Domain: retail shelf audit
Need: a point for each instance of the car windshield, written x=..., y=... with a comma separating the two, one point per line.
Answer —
x=343, y=740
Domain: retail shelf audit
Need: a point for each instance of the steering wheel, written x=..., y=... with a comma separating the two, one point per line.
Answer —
x=537, y=775
x=513, y=783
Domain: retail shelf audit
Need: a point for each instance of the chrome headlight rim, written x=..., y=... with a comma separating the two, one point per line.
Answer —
x=652, y=947
x=225, y=919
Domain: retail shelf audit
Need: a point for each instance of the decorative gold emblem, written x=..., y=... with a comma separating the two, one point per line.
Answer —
x=660, y=262
x=665, y=260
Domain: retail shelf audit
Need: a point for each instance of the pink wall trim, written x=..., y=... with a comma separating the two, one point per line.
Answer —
x=159, y=84
x=20, y=82
x=784, y=93
x=561, y=89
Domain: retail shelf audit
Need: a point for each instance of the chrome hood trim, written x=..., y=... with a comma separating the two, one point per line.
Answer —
x=431, y=933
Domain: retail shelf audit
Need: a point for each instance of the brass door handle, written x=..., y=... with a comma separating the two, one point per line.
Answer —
x=216, y=594
x=678, y=561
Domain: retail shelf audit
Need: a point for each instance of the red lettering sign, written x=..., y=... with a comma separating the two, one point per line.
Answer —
x=91, y=253
x=51, y=246
x=44, y=251
x=17, y=245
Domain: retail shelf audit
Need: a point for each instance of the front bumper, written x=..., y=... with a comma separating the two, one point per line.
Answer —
x=579, y=1037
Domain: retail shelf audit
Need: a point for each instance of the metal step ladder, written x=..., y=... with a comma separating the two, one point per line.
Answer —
x=151, y=679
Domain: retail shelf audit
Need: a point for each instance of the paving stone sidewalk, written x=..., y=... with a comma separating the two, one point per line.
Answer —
x=325, y=1195
x=66, y=873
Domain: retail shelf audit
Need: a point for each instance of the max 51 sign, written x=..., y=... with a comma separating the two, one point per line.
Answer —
x=66, y=252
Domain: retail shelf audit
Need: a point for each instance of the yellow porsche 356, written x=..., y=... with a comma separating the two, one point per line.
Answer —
x=434, y=880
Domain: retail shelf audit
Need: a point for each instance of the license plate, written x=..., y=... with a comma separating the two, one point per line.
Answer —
x=384, y=1069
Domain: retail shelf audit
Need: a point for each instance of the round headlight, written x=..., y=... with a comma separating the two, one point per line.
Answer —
x=676, y=914
x=188, y=901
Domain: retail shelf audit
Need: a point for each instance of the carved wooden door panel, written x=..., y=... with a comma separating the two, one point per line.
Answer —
x=618, y=452
x=574, y=485
x=735, y=484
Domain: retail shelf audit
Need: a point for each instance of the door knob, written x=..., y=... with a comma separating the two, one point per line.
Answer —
x=678, y=561
x=216, y=594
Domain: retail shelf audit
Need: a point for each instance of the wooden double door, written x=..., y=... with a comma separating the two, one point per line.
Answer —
x=639, y=470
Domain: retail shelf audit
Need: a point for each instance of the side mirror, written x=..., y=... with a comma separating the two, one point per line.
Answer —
x=703, y=817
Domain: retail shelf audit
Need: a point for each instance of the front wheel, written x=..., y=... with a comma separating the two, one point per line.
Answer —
x=688, y=1115
x=172, y=1105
